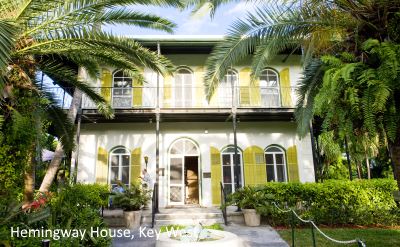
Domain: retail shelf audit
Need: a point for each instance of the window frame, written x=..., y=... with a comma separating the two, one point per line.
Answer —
x=235, y=88
x=232, y=165
x=281, y=151
x=266, y=88
x=174, y=88
x=120, y=166
x=130, y=96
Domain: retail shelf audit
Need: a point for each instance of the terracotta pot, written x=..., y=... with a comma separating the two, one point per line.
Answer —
x=251, y=217
x=132, y=218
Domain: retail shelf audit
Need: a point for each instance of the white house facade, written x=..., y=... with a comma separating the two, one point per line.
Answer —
x=190, y=142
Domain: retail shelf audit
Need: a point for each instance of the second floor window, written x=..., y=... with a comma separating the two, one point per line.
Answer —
x=269, y=88
x=183, y=88
x=225, y=92
x=122, y=90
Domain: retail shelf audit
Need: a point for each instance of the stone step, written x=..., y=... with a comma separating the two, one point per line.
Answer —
x=189, y=221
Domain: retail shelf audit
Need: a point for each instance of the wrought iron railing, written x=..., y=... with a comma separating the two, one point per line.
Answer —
x=223, y=204
x=313, y=227
x=154, y=204
x=185, y=97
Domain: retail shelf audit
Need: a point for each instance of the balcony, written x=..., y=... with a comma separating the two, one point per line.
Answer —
x=194, y=98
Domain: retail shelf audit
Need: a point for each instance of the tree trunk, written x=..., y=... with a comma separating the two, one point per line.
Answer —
x=395, y=155
x=59, y=153
x=359, y=171
x=368, y=166
x=29, y=178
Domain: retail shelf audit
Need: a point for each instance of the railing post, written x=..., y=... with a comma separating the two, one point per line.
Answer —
x=313, y=235
x=45, y=243
x=292, y=223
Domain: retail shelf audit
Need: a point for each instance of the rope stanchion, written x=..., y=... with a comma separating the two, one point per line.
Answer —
x=313, y=225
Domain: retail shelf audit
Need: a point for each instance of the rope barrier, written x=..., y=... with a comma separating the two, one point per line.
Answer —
x=354, y=241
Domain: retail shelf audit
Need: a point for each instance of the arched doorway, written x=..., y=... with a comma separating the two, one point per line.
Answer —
x=183, y=173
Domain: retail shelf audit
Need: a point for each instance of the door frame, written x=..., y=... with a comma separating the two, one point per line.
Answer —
x=169, y=156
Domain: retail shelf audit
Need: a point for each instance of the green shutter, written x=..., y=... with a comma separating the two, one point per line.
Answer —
x=199, y=90
x=254, y=166
x=293, y=166
x=135, y=165
x=244, y=83
x=106, y=84
x=167, y=91
x=102, y=166
x=216, y=175
x=285, y=88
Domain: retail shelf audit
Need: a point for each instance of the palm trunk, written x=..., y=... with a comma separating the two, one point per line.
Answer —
x=359, y=170
x=395, y=155
x=29, y=177
x=59, y=153
x=368, y=167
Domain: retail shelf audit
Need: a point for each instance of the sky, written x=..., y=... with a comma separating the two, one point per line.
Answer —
x=187, y=24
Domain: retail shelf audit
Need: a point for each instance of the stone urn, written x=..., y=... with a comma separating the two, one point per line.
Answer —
x=132, y=218
x=251, y=217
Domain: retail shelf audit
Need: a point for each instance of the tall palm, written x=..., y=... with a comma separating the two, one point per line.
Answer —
x=316, y=28
x=51, y=35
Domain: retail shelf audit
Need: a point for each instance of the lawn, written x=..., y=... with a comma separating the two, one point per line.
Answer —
x=372, y=237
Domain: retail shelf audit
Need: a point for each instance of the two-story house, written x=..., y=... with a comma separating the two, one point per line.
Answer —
x=190, y=142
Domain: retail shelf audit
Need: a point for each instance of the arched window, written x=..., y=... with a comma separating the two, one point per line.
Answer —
x=183, y=88
x=230, y=170
x=225, y=91
x=276, y=164
x=122, y=90
x=119, y=166
x=269, y=88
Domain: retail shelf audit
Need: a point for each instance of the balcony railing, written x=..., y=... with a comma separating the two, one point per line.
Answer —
x=187, y=97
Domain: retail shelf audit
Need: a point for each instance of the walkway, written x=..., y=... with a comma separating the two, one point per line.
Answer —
x=251, y=236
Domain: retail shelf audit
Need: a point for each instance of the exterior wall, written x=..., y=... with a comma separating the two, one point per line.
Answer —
x=134, y=135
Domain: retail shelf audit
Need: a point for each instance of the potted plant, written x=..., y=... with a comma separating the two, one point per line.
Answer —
x=131, y=200
x=250, y=200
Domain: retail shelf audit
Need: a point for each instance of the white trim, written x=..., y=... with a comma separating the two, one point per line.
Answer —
x=192, y=86
x=119, y=164
x=124, y=96
x=231, y=154
x=275, y=165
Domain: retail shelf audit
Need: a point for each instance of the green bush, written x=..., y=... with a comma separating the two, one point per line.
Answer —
x=333, y=202
x=132, y=199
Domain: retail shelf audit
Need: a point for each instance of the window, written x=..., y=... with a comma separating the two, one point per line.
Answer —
x=276, y=164
x=183, y=88
x=119, y=166
x=229, y=168
x=122, y=90
x=269, y=88
x=225, y=95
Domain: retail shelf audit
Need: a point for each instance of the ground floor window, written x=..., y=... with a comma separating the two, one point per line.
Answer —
x=119, y=166
x=229, y=170
x=276, y=164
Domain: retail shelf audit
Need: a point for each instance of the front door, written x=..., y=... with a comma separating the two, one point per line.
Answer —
x=183, y=173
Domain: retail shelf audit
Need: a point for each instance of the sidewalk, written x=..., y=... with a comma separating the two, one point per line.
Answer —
x=252, y=237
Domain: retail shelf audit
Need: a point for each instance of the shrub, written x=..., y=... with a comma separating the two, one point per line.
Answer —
x=333, y=202
x=132, y=199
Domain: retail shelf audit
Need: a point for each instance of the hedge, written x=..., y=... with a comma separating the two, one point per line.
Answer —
x=333, y=202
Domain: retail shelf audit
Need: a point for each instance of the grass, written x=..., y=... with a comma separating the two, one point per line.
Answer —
x=372, y=237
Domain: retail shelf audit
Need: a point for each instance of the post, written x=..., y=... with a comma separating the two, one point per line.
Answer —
x=234, y=122
x=315, y=153
x=45, y=243
x=348, y=158
x=292, y=223
x=313, y=235
x=78, y=135
x=157, y=132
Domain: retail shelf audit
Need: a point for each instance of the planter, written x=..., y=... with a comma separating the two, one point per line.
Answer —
x=132, y=218
x=251, y=217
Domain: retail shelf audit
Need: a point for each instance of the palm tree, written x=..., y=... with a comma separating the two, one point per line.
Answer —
x=317, y=28
x=51, y=36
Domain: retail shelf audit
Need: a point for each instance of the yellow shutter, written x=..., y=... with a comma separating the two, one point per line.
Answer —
x=167, y=91
x=255, y=93
x=106, y=84
x=135, y=165
x=293, y=166
x=244, y=91
x=285, y=87
x=137, y=92
x=199, y=90
x=102, y=166
x=216, y=175
x=255, y=172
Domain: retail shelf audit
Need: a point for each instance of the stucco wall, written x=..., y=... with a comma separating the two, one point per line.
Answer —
x=133, y=135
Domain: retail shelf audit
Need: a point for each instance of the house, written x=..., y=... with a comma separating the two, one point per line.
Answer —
x=190, y=142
